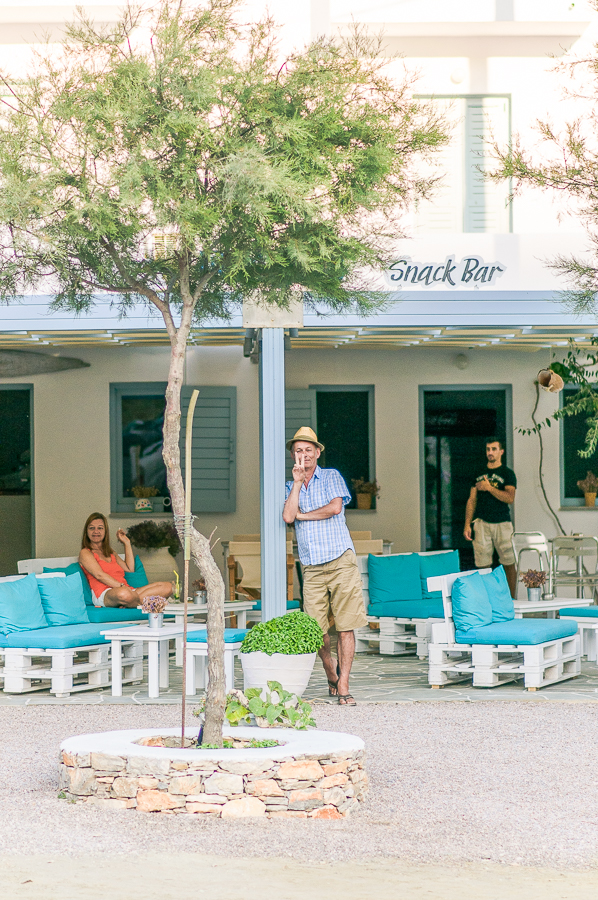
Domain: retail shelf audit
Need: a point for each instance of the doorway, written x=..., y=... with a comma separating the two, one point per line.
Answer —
x=16, y=525
x=455, y=421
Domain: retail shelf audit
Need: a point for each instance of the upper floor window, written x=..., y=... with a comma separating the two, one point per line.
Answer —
x=574, y=467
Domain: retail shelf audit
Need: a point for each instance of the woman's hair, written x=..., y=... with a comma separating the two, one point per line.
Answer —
x=85, y=542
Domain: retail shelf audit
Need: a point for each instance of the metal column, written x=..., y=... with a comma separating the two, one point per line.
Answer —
x=272, y=473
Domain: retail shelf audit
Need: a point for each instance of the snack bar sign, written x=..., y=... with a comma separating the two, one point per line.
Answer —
x=468, y=272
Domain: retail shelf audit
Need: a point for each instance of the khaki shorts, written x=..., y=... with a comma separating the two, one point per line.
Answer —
x=335, y=585
x=492, y=535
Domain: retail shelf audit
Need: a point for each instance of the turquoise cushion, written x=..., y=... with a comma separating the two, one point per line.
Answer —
x=114, y=614
x=518, y=631
x=437, y=564
x=71, y=570
x=138, y=578
x=586, y=611
x=21, y=606
x=60, y=637
x=2, y=641
x=291, y=604
x=394, y=578
x=231, y=635
x=471, y=606
x=62, y=600
x=499, y=595
x=408, y=609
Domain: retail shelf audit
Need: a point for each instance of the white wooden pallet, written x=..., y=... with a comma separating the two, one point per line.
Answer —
x=69, y=671
x=588, y=628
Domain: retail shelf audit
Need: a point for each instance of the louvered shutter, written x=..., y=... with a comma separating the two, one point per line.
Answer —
x=213, y=449
x=443, y=211
x=486, y=208
x=300, y=409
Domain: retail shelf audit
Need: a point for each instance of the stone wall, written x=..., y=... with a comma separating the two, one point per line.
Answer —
x=327, y=787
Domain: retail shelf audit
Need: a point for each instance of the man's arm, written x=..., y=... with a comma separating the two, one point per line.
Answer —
x=469, y=511
x=323, y=512
x=506, y=496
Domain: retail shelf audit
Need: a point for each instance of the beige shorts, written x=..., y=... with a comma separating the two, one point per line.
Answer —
x=335, y=586
x=492, y=535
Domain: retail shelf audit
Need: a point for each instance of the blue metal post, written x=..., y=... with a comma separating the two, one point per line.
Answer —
x=272, y=472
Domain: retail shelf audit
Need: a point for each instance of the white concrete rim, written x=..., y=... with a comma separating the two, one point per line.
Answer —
x=298, y=743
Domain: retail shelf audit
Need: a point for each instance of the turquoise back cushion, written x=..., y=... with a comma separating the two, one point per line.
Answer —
x=499, y=595
x=138, y=578
x=471, y=606
x=21, y=606
x=438, y=564
x=394, y=578
x=62, y=600
x=75, y=569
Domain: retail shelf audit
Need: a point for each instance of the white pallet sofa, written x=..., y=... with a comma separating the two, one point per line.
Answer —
x=65, y=658
x=587, y=623
x=395, y=635
x=539, y=662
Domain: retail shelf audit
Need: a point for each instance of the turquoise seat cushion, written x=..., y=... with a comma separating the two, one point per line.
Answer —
x=62, y=600
x=590, y=612
x=499, y=595
x=3, y=641
x=471, y=606
x=138, y=578
x=408, y=609
x=394, y=578
x=114, y=614
x=21, y=606
x=71, y=570
x=291, y=604
x=60, y=637
x=518, y=631
x=231, y=635
x=437, y=564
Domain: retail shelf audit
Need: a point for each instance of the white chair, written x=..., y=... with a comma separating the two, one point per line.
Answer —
x=582, y=551
x=534, y=542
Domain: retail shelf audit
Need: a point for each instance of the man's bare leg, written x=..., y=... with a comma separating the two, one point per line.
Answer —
x=329, y=662
x=511, y=573
x=346, y=642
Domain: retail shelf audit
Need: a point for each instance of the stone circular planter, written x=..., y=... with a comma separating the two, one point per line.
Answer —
x=292, y=671
x=315, y=774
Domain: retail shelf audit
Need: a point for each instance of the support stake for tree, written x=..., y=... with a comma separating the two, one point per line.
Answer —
x=187, y=549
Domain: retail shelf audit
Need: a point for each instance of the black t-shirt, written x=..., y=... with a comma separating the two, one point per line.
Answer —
x=489, y=508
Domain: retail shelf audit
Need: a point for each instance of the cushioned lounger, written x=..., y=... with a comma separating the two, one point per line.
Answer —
x=231, y=635
x=518, y=632
x=408, y=609
x=58, y=637
x=590, y=612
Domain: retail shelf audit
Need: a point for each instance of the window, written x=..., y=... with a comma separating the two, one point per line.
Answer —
x=15, y=446
x=343, y=418
x=464, y=201
x=573, y=466
x=137, y=420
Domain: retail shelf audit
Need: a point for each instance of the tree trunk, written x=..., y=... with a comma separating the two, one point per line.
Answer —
x=200, y=545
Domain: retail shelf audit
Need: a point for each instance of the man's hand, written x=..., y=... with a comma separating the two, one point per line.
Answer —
x=299, y=469
x=467, y=533
x=483, y=485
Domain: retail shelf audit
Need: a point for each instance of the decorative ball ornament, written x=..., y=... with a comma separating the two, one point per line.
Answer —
x=550, y=381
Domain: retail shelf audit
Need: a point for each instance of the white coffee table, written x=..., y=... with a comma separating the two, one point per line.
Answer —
x=157, y=640
x=550, y=607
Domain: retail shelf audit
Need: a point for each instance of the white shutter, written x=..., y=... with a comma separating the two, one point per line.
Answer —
x=486, y=209
x=443, y=212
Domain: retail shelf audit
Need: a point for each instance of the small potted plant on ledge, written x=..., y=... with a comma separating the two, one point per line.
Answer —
x=142, y=496
x=534, y=582
x=157, y=544
x=282, y=650
x=589, y=486
x=365, y=491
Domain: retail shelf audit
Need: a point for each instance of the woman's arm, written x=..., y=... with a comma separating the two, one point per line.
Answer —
x=91, y=565
x=129, y=561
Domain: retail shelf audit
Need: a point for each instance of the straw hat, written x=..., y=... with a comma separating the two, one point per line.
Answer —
x=305, y=433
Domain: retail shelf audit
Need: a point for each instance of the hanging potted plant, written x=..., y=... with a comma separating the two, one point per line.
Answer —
x=142, y=496
x=589, y=486
x=156, y=544
x=282, y=650
x=366, y=491
x=534, y=582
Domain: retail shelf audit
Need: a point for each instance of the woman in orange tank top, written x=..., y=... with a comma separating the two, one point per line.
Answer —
x=105, y=570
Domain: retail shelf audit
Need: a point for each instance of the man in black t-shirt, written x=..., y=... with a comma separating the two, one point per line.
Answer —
x=492, y=493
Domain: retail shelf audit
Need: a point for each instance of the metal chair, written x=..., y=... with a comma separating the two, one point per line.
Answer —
x=532, y=542
x=583, y=550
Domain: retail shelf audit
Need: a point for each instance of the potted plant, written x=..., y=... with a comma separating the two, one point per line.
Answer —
x=589, y=486
x=534, y=582
x=142, y=496
x=157, y=543
x=154, y=607
x=199, y=587
x=365, y=491
x=282, y=650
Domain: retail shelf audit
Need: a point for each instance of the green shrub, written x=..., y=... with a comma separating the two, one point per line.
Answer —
x=296, y=632
x=151, y=535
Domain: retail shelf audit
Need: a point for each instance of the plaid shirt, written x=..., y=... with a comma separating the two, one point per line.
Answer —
x=320, y=541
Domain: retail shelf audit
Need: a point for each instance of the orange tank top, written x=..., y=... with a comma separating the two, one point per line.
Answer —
x=112, y=568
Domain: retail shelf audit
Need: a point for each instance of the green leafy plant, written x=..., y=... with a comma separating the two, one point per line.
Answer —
x=227, y=744
x=150, y=535
x=291, y=634
x=361, y=486
x=141, y=491
x=271, y=708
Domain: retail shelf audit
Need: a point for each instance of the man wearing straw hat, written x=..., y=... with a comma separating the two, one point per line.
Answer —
x=315, y=502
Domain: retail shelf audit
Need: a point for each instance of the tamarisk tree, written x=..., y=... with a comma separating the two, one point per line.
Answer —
x=271, y=179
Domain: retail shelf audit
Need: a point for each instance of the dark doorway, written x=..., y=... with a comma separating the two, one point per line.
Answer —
x=345, y=426
x=455, y=425
x=15, y=477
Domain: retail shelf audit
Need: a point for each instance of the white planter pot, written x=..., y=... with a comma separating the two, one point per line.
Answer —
x=156, y=620
x=534, y=595
x=159, y=565
x=293, y=672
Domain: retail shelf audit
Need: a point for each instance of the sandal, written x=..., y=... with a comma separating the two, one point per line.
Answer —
x=346, y=700
x=332, y=686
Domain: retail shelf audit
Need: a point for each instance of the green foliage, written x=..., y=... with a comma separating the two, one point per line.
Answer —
x=228, y=744
x=270, y=708
x=293, y=633
x=151, y=535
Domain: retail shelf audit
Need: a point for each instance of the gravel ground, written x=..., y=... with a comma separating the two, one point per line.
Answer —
x=513, y=783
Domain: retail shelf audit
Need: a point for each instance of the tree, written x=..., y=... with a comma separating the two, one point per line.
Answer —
x=271, y=180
